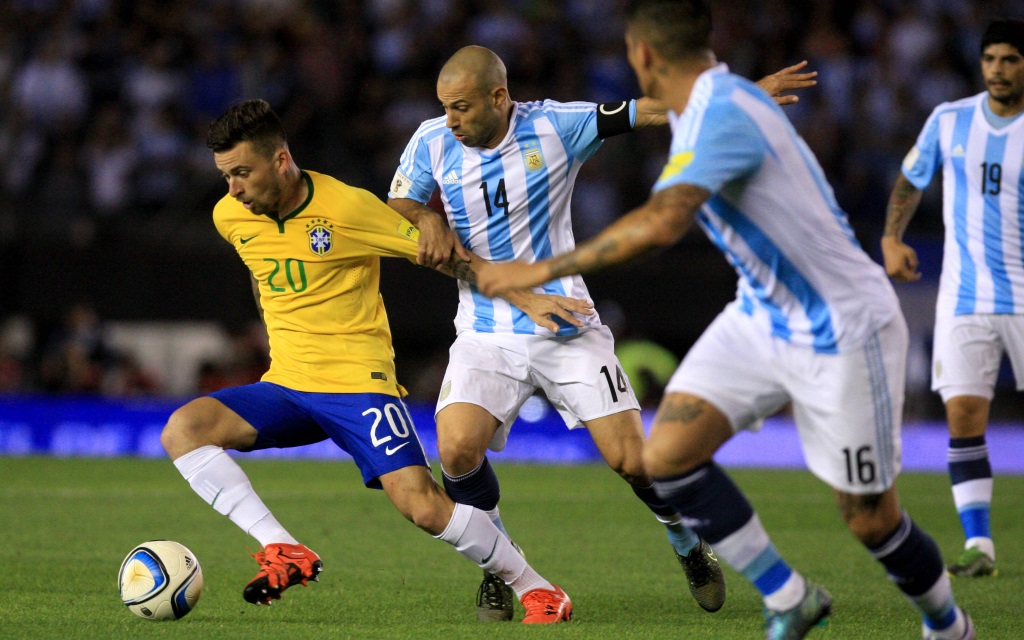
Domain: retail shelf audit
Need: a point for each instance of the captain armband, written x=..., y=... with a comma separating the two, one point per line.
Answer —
x=613, y=119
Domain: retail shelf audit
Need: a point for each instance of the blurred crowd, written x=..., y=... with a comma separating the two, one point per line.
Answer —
x=81, y=355
x=106, y=103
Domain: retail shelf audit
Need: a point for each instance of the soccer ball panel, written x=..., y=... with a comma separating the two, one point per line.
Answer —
x=160, y=580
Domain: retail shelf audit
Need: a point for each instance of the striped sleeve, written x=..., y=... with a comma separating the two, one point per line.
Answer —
x=713, y=146
x=413, y=179
x=576, y=123
x=925, y=157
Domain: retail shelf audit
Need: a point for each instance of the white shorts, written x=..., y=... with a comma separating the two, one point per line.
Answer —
x=847, y=407
x=580, y=376
x=968, y=350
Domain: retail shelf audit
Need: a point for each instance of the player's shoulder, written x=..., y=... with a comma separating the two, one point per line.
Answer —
x=727, y=95
x=326, y=187
x=970, y=102
x=227, y=208
x=331, y=188
x=432, y=128
x=536, y=108
x=722, y=85
x=228, y=215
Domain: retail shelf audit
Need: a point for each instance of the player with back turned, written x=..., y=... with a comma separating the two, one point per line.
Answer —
x=313, y=246
x=979, y=143
x=816, y=324
x=505, y=171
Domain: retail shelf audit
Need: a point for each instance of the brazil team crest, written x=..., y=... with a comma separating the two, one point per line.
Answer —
x=321, y=236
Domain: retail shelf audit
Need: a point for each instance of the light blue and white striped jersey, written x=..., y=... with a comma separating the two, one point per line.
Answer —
x=507, y=203
x=802, y=274
x=983, y=206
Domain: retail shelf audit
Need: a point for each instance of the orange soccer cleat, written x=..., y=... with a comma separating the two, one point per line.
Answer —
x=546, y=606
x=281, y=566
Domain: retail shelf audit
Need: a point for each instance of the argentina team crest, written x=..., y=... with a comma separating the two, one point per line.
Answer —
x=321, y=236
x=533, y=157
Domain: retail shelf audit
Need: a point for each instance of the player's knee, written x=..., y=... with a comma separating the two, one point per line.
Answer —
x=662, y=461
x=185, y=431
x=460, y=452
x=871, y=517
x=430, y=513
x=870, y=530
x=967, y=415
x=630, y=469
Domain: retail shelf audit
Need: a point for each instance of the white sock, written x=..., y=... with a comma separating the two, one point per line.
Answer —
x=475, y=537
x=788, y=595
x=984, y=545
x=268, y=530
x=224, y=486
x=936, y=604
x=495, y=517
x=529, y=581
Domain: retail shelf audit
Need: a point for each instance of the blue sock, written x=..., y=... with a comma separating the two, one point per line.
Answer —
x=912, y=560
x=682, y=538
x=970, y=474
x=713, y=506
x=477, y=488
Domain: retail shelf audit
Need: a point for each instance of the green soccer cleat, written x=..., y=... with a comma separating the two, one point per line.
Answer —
x=704, y=575
x=795, y=623
x=494, y=600
x=973, y=563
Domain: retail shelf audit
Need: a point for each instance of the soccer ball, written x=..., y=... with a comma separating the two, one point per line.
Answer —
x=160, y=580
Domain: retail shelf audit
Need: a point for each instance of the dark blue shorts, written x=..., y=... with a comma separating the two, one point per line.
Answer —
x=374, y=428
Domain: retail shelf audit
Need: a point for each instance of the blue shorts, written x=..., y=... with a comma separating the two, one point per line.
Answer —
x=374, y=428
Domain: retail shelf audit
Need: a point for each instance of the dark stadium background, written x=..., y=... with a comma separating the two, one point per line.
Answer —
x=106, y=187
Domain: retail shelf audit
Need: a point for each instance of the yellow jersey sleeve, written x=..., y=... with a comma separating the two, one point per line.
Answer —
x=379, y=227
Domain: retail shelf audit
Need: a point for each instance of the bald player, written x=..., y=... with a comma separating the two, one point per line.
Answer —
x=506, y=171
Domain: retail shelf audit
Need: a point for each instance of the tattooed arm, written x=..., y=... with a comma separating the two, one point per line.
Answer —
x=542, y=308
x=900, y=258
x=660, y=222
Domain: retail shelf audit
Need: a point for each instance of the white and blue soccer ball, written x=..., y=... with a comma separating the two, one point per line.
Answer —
x=160, y=580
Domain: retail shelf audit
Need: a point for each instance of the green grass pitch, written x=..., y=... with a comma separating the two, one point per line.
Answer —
x=67, y=524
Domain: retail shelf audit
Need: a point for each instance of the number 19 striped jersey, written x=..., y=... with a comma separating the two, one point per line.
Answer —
x=507, y=203
x=983, y=206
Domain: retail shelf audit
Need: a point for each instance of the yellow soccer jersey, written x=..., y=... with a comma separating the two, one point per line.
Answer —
x=319, y=273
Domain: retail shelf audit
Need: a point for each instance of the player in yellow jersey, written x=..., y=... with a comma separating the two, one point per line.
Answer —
x=313, y=247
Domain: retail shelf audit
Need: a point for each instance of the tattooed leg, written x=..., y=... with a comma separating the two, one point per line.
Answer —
x=686, y=433
x=870, y=517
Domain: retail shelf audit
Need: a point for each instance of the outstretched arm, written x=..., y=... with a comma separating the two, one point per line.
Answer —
x=783, y=80
x=540, y=307
x=900, y=258
x=437, y=241
x=660, y=222
x=651, y=112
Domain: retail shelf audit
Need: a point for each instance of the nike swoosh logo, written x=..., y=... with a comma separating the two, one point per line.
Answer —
x=244, y=240
x=389, y=450
x=491, y=554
